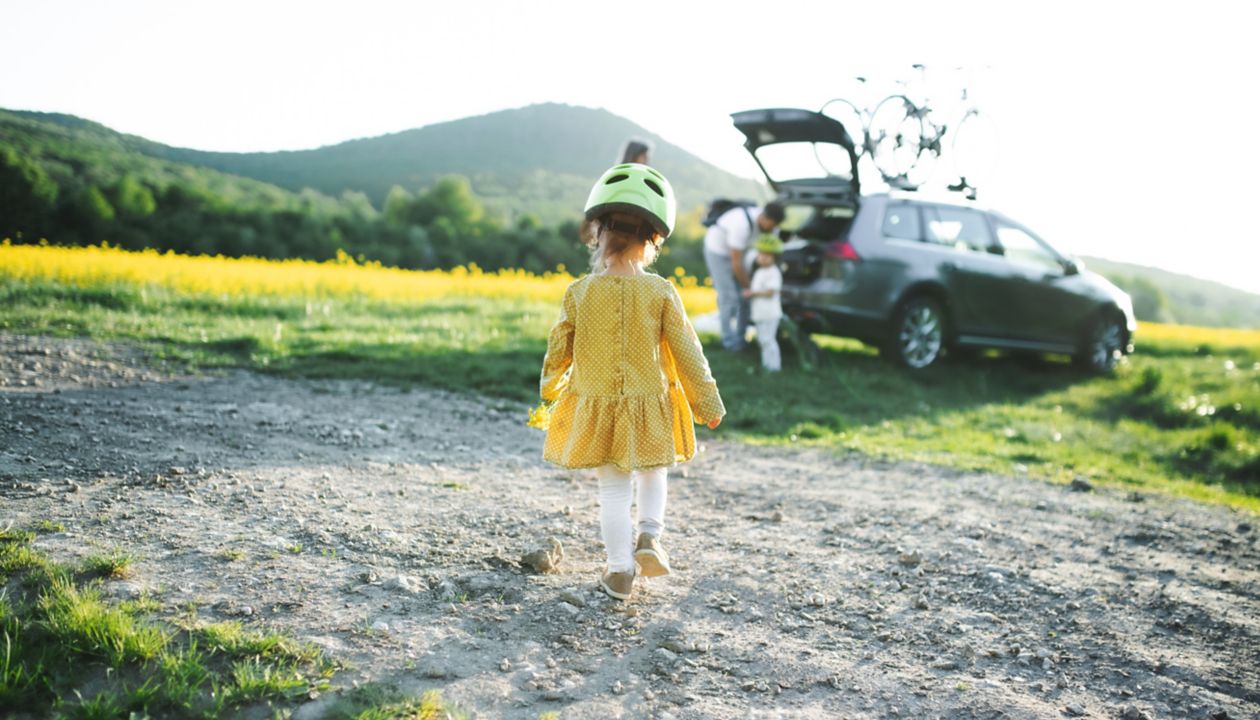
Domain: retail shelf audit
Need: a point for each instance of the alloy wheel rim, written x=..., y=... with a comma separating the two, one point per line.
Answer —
x=920, y=337
x=1107, y=342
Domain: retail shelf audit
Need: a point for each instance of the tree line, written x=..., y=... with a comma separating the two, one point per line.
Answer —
x=197, y=211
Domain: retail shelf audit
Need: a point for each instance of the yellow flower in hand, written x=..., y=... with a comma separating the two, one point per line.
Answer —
x=540, y=417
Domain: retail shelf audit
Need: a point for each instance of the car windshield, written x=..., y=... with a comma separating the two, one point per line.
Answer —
x=804, y=161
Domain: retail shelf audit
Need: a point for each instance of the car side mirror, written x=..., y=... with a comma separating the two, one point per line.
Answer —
x=1071, y=266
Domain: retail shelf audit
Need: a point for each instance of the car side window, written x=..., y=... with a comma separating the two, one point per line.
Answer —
x=959, y=228
x=901, y=221
x=1021, y=247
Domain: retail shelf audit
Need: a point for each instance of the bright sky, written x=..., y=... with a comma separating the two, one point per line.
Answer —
x=1127, y=129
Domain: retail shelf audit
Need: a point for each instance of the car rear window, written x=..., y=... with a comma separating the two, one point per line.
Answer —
x=902, y=222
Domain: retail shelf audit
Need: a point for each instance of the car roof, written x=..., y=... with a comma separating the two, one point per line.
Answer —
x=931, y=196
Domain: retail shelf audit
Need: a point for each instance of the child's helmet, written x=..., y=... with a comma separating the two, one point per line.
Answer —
x=637, y=189
x=768, y=243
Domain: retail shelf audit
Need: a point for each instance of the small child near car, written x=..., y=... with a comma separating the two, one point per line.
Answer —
x=625, y=374
x=763, y=291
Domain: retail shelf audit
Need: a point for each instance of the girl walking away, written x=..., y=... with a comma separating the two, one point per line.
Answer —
x=625, y=373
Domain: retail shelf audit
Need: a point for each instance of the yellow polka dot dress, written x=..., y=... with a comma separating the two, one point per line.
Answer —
x=627, y=374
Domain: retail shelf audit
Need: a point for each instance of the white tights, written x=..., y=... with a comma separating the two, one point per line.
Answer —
x=615, y=519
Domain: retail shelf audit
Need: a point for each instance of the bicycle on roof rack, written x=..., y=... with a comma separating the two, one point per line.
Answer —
x=901, y=136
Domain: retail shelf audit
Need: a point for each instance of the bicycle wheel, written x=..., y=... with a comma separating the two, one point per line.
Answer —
x=894, y=138
x=851, y=117
x=975, y=148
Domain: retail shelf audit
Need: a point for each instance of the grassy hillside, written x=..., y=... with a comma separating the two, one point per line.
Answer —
x=1183, y=415
x=1173, y=298
x=538, y=159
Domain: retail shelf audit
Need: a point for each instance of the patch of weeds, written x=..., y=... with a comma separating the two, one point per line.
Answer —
x=48, y=526
x=457, y=486
x=295, y=548
x=144, y=604
x=231, y=555
x=253, y=680
x=12, y=535
x=235, y=641
x=65, y=652
x=429, y=706
x=116, y=564
x=81, y=622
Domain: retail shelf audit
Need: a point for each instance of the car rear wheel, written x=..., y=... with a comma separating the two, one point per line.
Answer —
x=1102, y=344
x=917, y=335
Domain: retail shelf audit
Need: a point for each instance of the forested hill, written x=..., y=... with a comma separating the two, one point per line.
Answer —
x=1163, y=296
x=539, y=159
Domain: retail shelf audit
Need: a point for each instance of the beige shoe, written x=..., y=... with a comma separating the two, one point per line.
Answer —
x=617, y=585
x=652, y=559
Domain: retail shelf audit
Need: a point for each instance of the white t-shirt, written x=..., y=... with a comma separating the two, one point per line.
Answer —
x=766, y=308
x=732, y=231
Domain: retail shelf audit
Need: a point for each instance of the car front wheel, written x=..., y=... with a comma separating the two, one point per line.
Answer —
x=1103, y=344
x=917, y=335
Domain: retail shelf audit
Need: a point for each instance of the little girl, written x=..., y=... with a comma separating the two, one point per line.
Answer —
x=625, y=372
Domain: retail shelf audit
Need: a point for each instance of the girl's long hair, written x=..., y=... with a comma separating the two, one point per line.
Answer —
x=608, y=244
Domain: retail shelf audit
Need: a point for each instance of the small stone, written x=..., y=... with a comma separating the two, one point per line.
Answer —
x=944, y=664
x=572, y=597
x=909, y=559
x=436, y=672
x=818, y=600
x=1220, y=714
x=921, y=603
x=544, y=557
x=1081, y=484
x=776, y=516
x=401, y=583
x=246, y=610
x=550, y=663
x=618, y=688
x=1075, y=709
x=1132, y=712
x=666, y=654
x=1244, y=528
x=675, y=645
x=505, y=665
x=380, y=626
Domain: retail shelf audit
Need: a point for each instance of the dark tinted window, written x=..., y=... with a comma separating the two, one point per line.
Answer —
x=959, y=228
x=901, y=221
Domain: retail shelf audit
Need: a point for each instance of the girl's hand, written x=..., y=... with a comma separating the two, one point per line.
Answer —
x=714, y=423
x=747, y=293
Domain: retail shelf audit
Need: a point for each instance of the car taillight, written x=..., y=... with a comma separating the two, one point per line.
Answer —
x=842, y=250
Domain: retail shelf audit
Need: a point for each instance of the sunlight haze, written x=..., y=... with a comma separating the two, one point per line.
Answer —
x=1122, y=131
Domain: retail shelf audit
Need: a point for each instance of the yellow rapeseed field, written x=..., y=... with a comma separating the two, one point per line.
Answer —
x=1191, y=335
x=219, y=276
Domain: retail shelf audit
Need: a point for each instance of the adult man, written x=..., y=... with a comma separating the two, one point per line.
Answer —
x=724, y=246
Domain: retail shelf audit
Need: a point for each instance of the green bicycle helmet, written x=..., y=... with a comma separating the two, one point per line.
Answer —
x=636, y=189
x=768, y=243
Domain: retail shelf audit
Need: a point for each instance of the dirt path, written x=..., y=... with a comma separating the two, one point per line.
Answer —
x=386, y=526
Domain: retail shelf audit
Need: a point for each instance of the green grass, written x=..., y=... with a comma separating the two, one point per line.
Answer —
x=1182, y=416
x=115, y=564
x=65, y=652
